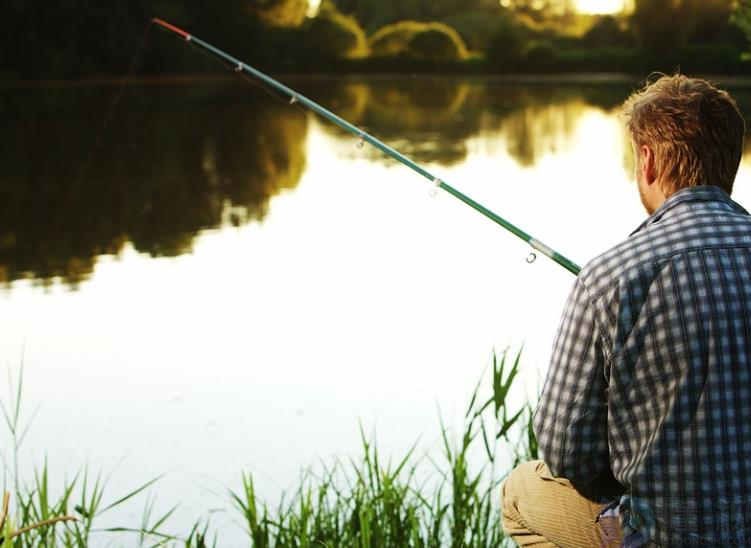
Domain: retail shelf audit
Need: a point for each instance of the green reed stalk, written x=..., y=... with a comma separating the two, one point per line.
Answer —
x=369, y=503
x=65, y=517
x=413, y=502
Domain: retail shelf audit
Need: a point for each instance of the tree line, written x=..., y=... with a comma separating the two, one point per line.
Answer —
x=84, y=38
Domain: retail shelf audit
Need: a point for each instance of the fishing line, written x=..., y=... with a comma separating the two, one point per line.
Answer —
x=296, y=98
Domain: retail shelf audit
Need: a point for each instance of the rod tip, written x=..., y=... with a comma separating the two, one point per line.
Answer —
x=164, y=24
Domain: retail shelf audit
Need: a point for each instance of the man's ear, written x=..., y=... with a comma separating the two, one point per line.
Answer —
x=647, y=164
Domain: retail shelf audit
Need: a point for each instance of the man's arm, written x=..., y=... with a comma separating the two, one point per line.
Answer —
x=571, y=418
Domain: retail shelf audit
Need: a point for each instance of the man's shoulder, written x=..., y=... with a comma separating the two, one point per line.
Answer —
x=617, y=262
x=653, y=246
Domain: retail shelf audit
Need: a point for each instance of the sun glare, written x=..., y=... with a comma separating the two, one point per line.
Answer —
x=599, y=6
x=313, y=6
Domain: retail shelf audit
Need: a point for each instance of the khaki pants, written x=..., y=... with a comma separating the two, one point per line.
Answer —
x=543, y=511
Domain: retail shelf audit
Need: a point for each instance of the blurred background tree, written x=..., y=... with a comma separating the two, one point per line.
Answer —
x=417, y=40
x=374, y=14
x=280, y=13
x=661, y=24
x=539, y=8
x=742, y=20
x=334, y=34
x=89, y=39
x=608, y=31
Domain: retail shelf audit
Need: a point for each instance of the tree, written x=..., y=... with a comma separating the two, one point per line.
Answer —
x=374, y=14
x=438, y=43
x=505, y=49
x=607, y=32
x=405, y=38
x=742, y=19
x=710, y=21
x=280, y=13
x=537, y=8
x=336, y=35
x=662, y=24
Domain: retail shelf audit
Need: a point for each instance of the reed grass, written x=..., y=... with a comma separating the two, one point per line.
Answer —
x=418, y=500
x=367, y=503
x=65, y=517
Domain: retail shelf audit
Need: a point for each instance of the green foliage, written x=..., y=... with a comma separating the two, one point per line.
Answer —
x=369, y=503
x=540, y=54
x=85, y=38
x=279, y=13
x=712, y=23
x=437, y=43
x=404, y=39
x=64, y=517
x=477, y=28
x=607, y=32
x=374, y=14
x=741, y=18
x=505, y=51
x=540, y=7
x=413, y=502
x=663, y=24
x=393, y=39
x=333, y=34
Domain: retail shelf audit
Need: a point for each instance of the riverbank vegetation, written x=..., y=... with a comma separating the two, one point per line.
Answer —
x=86, y=39
x=449, y=498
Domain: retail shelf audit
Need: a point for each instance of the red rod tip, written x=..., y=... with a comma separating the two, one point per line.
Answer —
x=173, y=28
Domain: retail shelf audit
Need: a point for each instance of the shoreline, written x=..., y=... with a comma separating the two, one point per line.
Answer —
x=584, y=78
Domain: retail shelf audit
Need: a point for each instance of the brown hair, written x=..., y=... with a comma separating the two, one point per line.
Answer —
x=694, y=130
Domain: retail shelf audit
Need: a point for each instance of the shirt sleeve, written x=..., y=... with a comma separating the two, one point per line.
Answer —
x=571, y=417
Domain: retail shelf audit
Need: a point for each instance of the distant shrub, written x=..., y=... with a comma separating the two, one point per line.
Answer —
x=437, y=44
x=334, y=34
x=610, y=59
x=413, y=39
x=720, y=58
x=607, y=32
x=742, y=20
x=540, y=55
x=279, y=13
x=505, y=48
x=393, y=39
x=476, y=27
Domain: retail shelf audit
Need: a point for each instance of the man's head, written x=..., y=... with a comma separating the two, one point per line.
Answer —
x=685, y=132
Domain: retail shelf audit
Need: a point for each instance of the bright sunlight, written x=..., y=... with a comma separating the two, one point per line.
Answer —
x=600, y=6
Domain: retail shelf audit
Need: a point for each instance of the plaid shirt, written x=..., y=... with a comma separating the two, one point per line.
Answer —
x=650, y=378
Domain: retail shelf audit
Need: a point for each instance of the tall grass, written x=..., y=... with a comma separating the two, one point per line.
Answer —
x=369, y=503
x=450, y=499
x=67, y=516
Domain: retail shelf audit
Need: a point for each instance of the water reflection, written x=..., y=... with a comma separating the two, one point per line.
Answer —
x=161, y=169
x=87, y=171
x=426, y=119
x=431, y=119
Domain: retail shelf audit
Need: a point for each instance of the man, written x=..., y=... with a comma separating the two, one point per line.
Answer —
x=646, y=409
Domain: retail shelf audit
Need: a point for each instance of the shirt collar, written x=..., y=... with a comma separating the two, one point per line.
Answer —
x=706, y=193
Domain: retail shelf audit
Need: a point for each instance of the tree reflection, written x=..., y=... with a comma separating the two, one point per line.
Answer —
x=83, y=175
x=170, y=163
x=431, y=120
x=425, y=119
x=535, y=121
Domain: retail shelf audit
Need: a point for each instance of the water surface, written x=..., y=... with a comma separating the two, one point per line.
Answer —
x=201, y=279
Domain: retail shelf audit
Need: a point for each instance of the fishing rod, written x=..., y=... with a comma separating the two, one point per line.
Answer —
x=295, y=97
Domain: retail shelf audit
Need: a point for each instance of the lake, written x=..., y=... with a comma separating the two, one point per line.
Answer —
x=201, y=279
